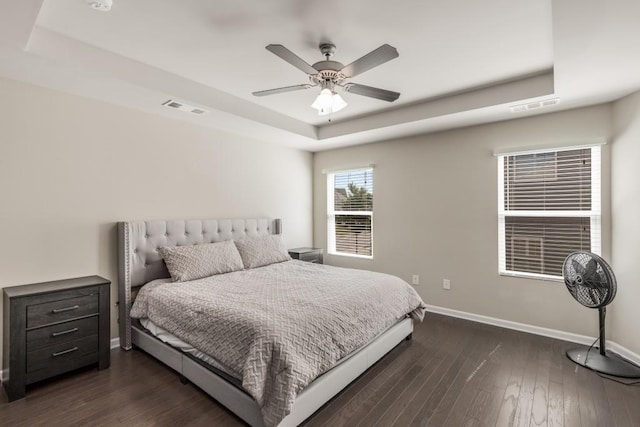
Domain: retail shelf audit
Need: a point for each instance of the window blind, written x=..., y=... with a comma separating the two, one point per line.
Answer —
x=350, y=212
x=549, y=206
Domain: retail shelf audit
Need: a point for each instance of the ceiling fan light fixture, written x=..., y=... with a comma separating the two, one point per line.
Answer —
x=328, y=102
x=338, y=103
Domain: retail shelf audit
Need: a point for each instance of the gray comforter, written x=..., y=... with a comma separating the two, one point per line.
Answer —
x=279, y=327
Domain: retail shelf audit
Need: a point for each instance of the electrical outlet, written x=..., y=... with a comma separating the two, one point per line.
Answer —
x=415, y=280
x=446, y=284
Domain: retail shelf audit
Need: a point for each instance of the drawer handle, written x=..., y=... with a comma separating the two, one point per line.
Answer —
x=68, y=331
x=60, y=310
x=60, y=353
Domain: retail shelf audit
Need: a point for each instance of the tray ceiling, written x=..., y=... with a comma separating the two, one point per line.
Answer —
x=460, y=62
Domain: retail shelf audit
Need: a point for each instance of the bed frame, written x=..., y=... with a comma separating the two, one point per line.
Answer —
x=139, y=263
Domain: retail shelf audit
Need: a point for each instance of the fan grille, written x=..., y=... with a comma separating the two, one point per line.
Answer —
x=589, y=279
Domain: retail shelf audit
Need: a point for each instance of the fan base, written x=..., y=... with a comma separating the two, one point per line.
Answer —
x=611, y=364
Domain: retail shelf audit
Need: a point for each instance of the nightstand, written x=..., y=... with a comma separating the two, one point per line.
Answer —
x=54, y=327
x=307, y=254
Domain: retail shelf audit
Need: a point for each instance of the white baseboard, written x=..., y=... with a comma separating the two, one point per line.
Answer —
x=537, y=330
x=624, y=352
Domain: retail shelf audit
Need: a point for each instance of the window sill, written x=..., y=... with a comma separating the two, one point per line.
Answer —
x=370, y=257
x=533, y=276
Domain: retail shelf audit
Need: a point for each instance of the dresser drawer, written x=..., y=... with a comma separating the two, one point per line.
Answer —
x=62, y=353
x=61, y=333
x=58, y=311
x=311, y=257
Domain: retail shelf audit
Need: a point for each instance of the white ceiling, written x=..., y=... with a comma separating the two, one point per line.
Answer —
x=460, y=62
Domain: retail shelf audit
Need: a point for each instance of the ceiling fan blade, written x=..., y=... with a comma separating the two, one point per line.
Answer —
x=291, y=58
x=371, y=92
x=281, y=90
x=372, y=59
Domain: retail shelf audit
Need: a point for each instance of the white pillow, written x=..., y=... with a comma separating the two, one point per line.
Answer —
x=197, y=261
x=263, y=250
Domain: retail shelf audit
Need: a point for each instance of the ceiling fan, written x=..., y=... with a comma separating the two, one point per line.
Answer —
x=330, y=75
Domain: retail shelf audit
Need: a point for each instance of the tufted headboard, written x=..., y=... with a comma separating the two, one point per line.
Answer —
x=139, y=261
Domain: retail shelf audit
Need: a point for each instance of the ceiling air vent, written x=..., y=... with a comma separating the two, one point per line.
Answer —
x=177, y=105
x=549, y=102
x=533, y=105
x=101, y=5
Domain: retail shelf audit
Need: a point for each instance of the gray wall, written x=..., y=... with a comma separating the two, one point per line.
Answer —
x=624, y=314
x=435, y=214
x=70, y=168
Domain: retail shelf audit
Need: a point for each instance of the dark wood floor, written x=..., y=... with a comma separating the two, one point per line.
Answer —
x=453, y=373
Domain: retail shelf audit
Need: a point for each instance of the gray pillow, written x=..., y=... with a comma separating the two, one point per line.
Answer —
x=197, y=261
x=263, y=250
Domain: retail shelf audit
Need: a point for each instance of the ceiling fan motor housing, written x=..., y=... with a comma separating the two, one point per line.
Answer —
x=326, y=77
x=329, y=73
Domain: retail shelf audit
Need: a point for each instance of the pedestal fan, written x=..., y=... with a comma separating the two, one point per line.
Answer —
x=592, y=283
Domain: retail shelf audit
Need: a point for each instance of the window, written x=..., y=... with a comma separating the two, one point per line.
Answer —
x=548, y=207
x=350, y=212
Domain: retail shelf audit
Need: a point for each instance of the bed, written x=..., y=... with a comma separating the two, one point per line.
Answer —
x=140, y=263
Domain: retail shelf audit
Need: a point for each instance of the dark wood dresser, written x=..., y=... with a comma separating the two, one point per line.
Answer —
x=54, y=327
